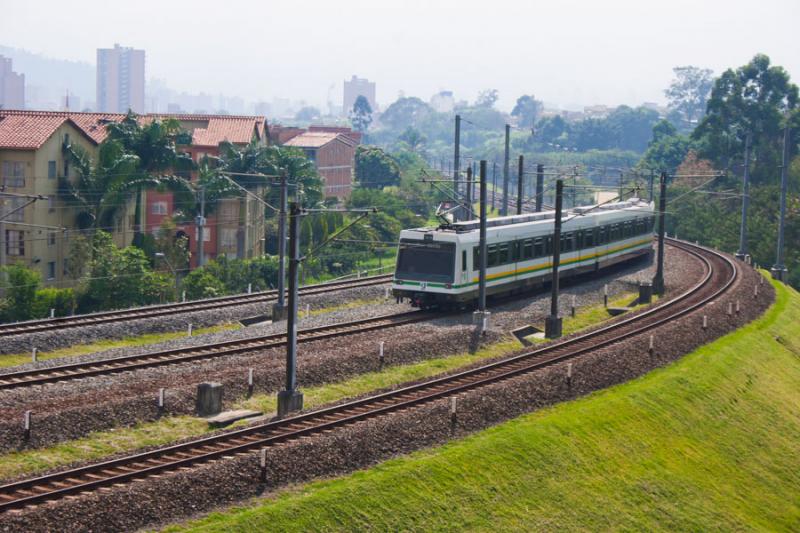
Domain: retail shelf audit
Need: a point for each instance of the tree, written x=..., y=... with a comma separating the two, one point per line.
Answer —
x=689, y=90
x=527, y=109
x=375, y=169
x=667, y=150
x=102, y=186
x=758, y=98
x=121, y=278
x=20, y=291
x=487, y=98
x=361, y=114
x=413, y=139
x=155, y=143
x=405, y=113
x=307, y=114
x=552, y=130
x=174, y=248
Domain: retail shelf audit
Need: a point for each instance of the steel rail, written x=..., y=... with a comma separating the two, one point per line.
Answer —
x=105, y=317
x=122, y=470
x=72, y=371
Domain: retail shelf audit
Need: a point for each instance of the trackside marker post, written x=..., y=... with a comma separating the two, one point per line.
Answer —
x=651, y=346
x=34, y=355
x=262, y=462
x=705, y=321
x=569, y=375
x=189, y=330
x=380, y=355
x=250, y=382
x=26, y=426
x=453, y=415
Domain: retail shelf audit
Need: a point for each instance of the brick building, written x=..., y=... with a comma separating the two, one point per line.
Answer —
x=333, y=154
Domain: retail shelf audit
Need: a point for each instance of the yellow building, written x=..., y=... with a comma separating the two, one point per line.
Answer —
x=32, y=159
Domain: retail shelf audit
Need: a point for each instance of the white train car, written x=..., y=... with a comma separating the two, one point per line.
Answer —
x=439, y=266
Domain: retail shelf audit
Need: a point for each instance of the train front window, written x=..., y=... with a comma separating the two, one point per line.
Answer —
x=426, y=261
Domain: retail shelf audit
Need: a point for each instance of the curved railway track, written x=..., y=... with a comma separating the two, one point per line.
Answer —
x=720, y=273
x=153, y=311
x=72, y=371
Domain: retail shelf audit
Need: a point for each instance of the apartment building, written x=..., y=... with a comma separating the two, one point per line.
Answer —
x=333, y=154
x=236, y=227
x=12, y=86
x=120, y=80
x=32, y=159
x=356, y=87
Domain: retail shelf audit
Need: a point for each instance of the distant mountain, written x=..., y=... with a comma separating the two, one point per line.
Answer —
x=49, y=79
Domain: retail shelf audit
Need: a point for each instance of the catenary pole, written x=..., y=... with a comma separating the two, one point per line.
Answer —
x=539, y=187
x=779, y=271
x=201, y=222
x=553, y=321
x=658, y=279
x=282, y=248
x=457, y=160
x=494, y=184
x=506, y=170
x=290, y=399
x=519, y=184
x=742, y=253
x=468, y=203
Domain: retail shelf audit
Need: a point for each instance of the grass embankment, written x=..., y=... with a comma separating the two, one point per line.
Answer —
x=103, y=443
x=708, y=443
x=100, y=346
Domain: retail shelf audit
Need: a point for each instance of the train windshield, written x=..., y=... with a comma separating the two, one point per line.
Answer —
x=426, y=261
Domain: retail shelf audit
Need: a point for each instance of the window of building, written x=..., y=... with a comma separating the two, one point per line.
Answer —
x=51, y=270
x=228, y=238
x=12, y=210
x=51, y=170
x=13, y=173
x=15, y=243
x=51, y=238
x=159, y=208
x=206, y=235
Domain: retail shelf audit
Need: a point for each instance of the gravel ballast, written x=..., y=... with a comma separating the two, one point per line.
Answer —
x=50, y=340
x=72, y=409
x=154, y=501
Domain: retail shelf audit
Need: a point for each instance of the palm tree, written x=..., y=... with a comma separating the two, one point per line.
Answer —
x=156, y=146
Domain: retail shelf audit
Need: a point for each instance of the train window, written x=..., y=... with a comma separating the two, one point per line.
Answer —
x=568, y=242
x=588, y=238
x=476, y=258
x=538, y=247
x=548, y=247
x=463, y=260
x=516, y=251
x=503, y=253
x=491, y=255
x=527, y=249
x=602, y=235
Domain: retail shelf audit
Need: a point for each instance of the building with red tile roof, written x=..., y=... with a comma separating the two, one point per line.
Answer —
x=333, y=154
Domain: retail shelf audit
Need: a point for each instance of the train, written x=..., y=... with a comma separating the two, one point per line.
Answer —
x=438, y=267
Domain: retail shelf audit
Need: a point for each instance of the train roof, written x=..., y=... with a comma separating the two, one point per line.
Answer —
x=474, y=225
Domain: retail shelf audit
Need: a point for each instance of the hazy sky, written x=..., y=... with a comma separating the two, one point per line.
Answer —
x=567, y=52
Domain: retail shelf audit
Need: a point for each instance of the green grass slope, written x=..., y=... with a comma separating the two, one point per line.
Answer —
x=709, y=443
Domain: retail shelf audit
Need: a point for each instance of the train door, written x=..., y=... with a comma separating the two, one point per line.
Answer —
x=463, y=276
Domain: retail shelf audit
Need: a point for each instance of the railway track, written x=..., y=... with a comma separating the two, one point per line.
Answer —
x=720, y=273
x=36, y=326
x=72, y=371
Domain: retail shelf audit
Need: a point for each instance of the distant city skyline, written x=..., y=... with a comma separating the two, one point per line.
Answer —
x=570, y=54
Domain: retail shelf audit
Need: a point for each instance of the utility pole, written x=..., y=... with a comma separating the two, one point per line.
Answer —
x=457, y=161
x=468, y=203
x=779, y=271
x=539, y=187
x=290, y=399
x=482, y=316
x=504, y=208
x=200, y=222
x=658, y=279
x=519, y=185
x=652, y=180
x=279, y=308
x=552, y=323
x=474, y=179
x=621, y=192
x=742, y=253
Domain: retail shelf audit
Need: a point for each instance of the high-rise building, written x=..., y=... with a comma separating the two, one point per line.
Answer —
x=12, y=86
x=358, y=87
x=120, y=80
